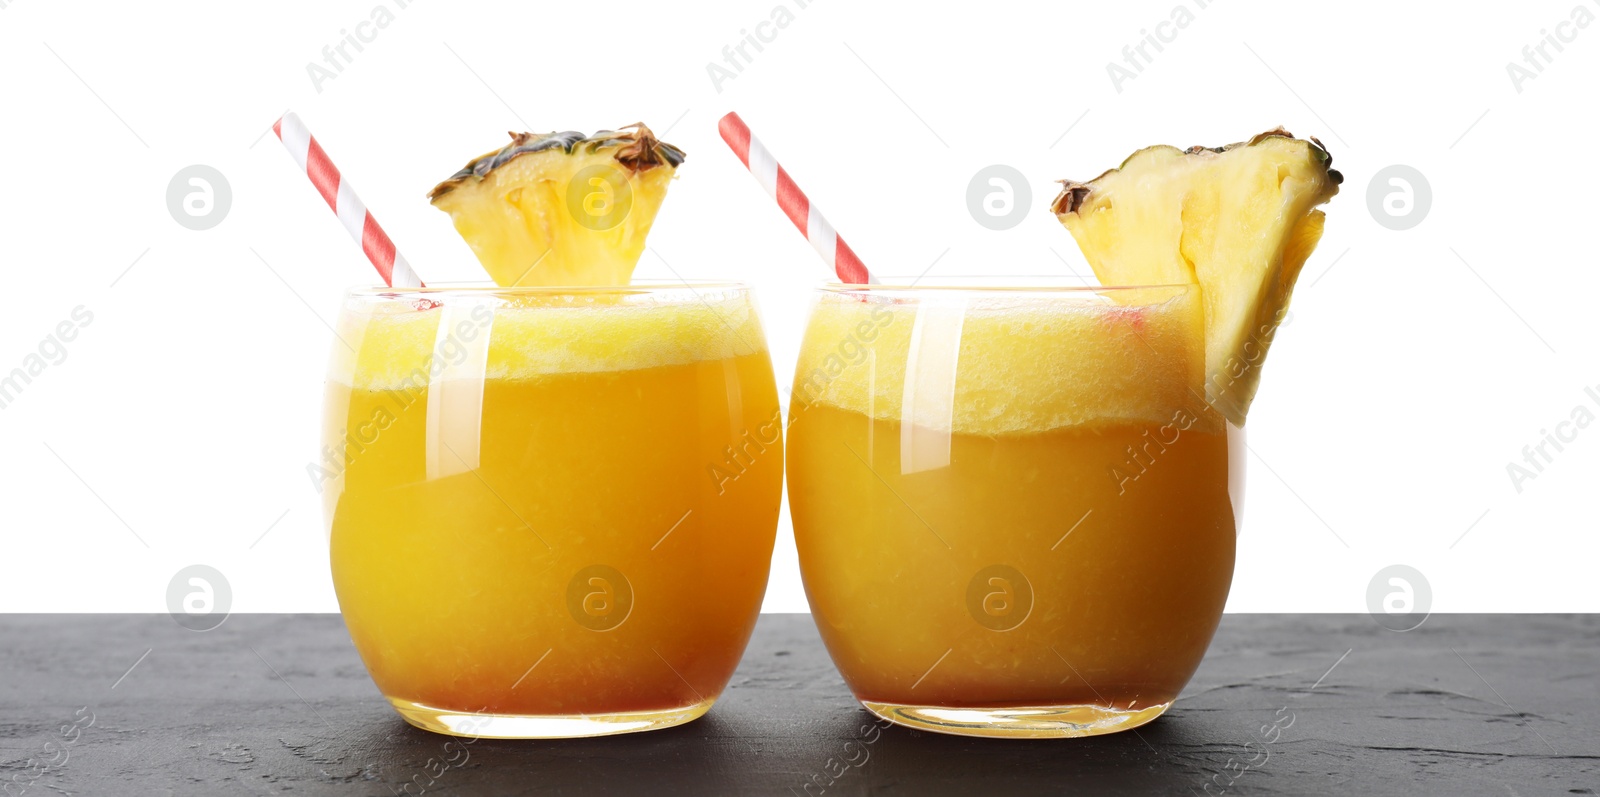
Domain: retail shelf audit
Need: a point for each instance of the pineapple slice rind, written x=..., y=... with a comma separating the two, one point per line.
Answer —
x=563, y=208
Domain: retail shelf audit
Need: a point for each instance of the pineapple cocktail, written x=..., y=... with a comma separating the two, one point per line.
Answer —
x=528, y=539
x=1016, y=509
x=1019, y=487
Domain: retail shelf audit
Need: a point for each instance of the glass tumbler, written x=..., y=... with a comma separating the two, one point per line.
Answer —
x=552, y=510
x=1014, y=507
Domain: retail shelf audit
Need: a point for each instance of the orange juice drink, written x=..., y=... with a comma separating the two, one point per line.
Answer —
x=1013, y=508
x=552, y=510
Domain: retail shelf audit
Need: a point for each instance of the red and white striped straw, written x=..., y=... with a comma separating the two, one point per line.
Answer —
x=355, y=217
x=800, y=210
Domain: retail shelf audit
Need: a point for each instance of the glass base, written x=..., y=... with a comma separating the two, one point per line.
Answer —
x=535, y=726
x=1018, y=722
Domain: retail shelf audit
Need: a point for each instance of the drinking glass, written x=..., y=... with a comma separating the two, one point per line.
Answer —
x=1014, y=507
x=552, y=510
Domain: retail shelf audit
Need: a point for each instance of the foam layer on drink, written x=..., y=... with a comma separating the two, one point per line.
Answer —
x=999, y=364
x=394, y=345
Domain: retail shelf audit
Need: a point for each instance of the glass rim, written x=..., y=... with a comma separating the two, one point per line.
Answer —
x=845, y=288
x=489, y=288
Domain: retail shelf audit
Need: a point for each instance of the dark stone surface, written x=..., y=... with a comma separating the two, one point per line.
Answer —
x=265, y=704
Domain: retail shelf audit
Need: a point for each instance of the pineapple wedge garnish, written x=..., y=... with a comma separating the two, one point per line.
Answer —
x=562, y=208
x=1238, y=221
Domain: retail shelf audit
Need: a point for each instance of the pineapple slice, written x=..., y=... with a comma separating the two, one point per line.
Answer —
x=563, y=208
x=1239, y=221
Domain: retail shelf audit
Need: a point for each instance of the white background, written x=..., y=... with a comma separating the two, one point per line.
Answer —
x=1416, y=367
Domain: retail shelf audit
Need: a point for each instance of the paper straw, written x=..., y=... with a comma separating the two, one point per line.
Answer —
x=800, y=210
x=355, y=217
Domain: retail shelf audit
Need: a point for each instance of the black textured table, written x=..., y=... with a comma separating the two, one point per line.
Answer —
x=1298, y=704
